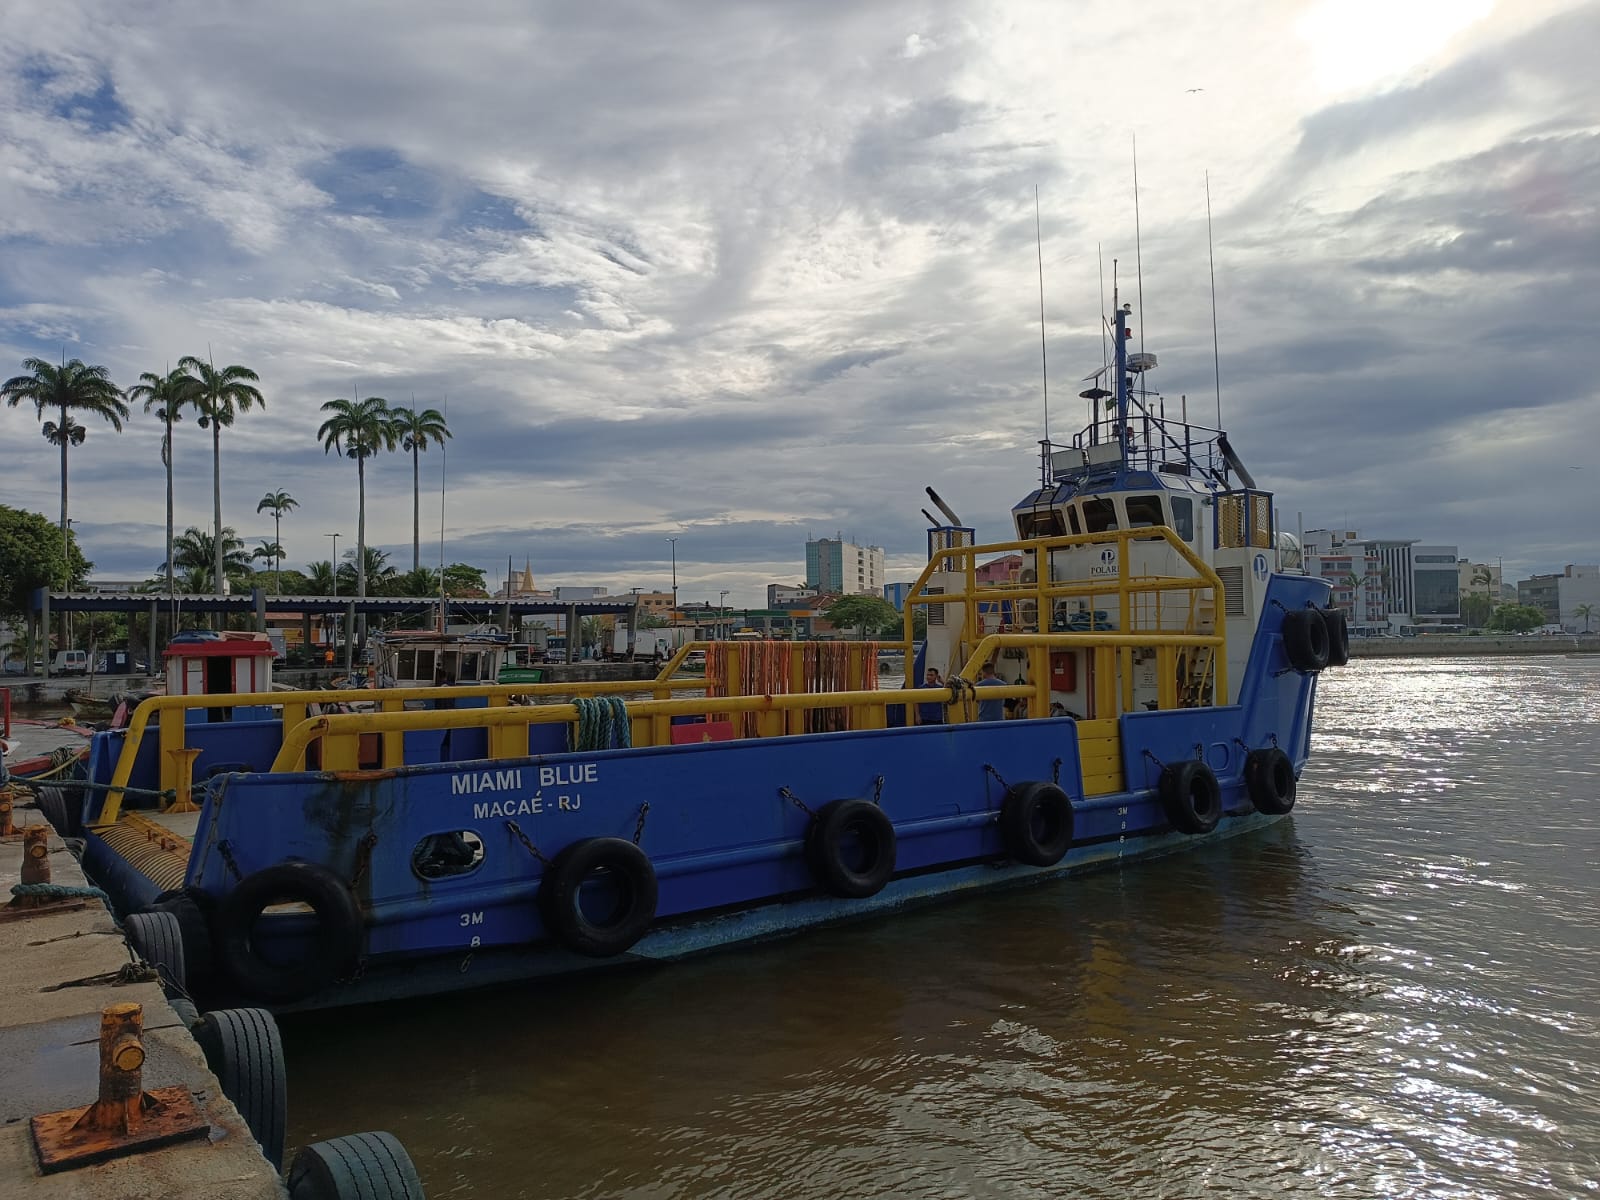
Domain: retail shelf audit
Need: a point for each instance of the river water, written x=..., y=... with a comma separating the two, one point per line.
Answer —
x=1395, y=992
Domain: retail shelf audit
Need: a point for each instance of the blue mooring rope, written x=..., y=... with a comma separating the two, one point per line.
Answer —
x=58, y=891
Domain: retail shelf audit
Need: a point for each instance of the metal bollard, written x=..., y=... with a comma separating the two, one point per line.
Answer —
x=36, y=854
x=125, y=1117
x=7, y=799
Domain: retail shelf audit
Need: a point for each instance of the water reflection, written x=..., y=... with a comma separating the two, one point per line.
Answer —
x=1389, y=994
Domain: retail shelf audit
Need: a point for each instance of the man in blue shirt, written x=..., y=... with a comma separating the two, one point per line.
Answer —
x=990, y=710
x=931, y=712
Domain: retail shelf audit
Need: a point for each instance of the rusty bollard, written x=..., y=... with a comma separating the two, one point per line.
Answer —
x=36, y=854
x=7, y=799
x=125, y=1117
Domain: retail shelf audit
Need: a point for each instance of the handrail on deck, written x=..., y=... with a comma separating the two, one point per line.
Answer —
x=1044, y=590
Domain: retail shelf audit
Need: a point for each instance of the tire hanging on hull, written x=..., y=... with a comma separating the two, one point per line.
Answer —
x=1191, y=796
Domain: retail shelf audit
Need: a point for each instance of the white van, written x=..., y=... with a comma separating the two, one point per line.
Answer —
x=70, y=662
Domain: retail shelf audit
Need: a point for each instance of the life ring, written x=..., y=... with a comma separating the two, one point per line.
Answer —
x=1036, y=823
x=1191, y=796
x=616, y=862
x=1305, y=640
x=850, y=848
x=1338, y=636
x=328, y=954
x=1269, y=778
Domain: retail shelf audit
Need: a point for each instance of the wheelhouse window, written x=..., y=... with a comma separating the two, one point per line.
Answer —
x=469, y=666
x=1099, y=516
x=1046, y=523
x=1072, y=520
x=405, y=666
x=424, y=668
x=1144, y=511
x=1183, y=517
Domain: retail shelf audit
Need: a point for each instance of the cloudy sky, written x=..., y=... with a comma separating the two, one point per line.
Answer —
x=744, y=273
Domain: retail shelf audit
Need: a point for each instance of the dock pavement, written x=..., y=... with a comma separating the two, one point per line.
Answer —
x=58, y=971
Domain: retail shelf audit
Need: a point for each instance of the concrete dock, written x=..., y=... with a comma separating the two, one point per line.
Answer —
x=58, y=971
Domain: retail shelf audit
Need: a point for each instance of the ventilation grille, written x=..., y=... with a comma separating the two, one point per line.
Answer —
x=935, y=611
x=1232, y=590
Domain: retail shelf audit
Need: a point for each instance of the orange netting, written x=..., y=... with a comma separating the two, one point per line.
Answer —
x=769, y=669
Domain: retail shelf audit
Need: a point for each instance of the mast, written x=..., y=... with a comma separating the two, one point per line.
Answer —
x=1122, y=334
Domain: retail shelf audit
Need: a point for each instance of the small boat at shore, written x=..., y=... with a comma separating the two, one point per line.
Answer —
x=1143, y=683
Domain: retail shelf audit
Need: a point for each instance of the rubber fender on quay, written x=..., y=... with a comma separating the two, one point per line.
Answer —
x=360, y=1166
x=850, y=848
x=59, y=809
x=191, y=907
x=1269, y=778
x=612, y=862
x=1191, y=796
x=244, y=1052
x=1036, y=823
x=1338, y=636
x=1305, y=639
x=157, y=939
x=332, y=950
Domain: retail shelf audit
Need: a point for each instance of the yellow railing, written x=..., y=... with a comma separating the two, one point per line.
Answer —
x=1043, y=591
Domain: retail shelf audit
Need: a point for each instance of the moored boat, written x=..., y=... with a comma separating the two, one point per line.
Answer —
x=1154, y=659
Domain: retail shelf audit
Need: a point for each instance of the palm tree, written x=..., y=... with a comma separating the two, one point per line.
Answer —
x=280, y=503
x=220, y=396
x=72, y=385
x=320, y=578
x=270, y=552
x=416, y=430
x=380, y=575
x=424, y=581
x=167, y=395
x=195, y=549
x=359, y=429
x=1585, y=611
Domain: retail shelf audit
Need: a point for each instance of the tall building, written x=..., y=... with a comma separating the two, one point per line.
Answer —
x=1386, y=584
x=784, y=595
x=1436, y=584
x=837, y=566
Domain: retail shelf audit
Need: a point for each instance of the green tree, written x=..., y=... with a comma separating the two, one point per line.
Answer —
x=1476, y=609
x=868, y=614
x=319, y=578
x=1585, y=611
x=267, y=551
x=220, y=396
x=34, y=555
x=73, y=386
x=166, y=396
x=1516, y=618
x=374, y=568
x=279, y=503
x=194, y=550
x=359, y=429
x=424, y=581
x=462, y=580
x=416, y=430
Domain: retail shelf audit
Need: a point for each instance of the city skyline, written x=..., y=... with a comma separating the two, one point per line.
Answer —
x=651, y=313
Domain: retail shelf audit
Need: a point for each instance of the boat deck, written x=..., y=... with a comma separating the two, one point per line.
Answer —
x=155, y=844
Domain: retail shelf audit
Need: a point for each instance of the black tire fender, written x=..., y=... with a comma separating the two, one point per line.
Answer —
x=189, y=906
x=850, y=848
x=244, y=1052
x=359, y=1166
x=1305, y=639
x=59, y=810
x=157, y=938
x=1338, y=636
x=334, y=948
x=184, y=1009
x=1191, y=796
x=626, y=868
x=1269, y=778
x=1036, y=823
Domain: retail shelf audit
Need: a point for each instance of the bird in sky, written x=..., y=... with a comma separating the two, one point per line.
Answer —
x=1194, y=89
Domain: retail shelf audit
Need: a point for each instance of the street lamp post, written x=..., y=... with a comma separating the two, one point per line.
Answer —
x=722, y=615
x=335, y=576
x=674, y=542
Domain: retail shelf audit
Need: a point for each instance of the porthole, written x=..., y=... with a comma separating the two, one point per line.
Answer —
x=447, y=855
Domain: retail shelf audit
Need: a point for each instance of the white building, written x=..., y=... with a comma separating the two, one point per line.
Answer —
x=1386, y=585
x=783, y=595
x=1579, y=587
x=835, y=565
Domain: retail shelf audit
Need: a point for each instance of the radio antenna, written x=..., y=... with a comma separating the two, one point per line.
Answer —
x=1044, y=362
x=444, y=462
x=1138, y=242
x=1211, y=253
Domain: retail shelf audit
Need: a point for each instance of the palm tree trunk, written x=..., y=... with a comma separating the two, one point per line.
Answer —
x=168, y=457
x=416, y=511
x=66, y=629
x=361, y=527
x=277, y=540
x=216, y=499
x=64, y=483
